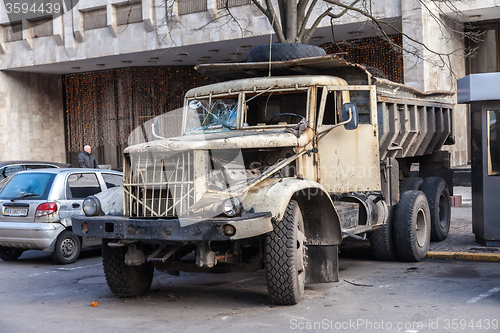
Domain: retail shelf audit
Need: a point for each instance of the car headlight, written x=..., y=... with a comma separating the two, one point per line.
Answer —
x=232, y=207
x=91, y=206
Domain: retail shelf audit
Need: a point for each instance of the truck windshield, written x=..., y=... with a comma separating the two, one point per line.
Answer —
x=275, y=108
x=209, y=114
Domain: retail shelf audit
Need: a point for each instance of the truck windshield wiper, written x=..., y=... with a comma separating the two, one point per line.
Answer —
x=25, y=195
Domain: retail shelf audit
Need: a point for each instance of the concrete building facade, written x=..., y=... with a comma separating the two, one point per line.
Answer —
x=36, y=53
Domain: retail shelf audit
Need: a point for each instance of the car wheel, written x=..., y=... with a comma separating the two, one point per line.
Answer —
x=67, y=248
x=124, y=280
x=438, y=196
x=286, y=257
x=412, y=226
x=10, y=253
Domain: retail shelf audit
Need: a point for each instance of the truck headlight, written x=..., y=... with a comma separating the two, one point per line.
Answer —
x=91, y=206
x=232, y=207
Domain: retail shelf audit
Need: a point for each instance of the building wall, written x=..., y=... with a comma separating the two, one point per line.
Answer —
x=31, y=117
x=427, y=71
x=162, y=28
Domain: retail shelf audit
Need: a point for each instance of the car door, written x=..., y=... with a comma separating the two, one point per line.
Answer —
x=78, y=186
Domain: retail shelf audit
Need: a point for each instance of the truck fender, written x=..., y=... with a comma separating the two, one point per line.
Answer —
x=321, y=220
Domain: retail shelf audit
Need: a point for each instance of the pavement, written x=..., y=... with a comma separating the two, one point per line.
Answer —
x=460, y=243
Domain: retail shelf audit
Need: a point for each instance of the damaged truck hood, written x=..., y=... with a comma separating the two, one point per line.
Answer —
x=226, y=140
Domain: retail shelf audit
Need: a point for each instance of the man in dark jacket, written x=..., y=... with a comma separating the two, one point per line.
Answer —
x=86, y=159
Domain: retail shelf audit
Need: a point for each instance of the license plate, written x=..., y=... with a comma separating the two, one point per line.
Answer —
x=11, y=211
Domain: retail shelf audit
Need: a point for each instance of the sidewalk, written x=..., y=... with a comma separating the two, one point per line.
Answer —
x=460, y=243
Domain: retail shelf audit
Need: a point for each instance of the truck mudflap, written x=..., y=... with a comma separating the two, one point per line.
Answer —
x=214, y=229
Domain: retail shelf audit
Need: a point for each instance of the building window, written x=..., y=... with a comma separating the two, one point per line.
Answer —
x=130, y=12
x=94, y=19
x=485, y=57
x=493, y=143
x=191, y=6
x=42, y=27
x=14, y=32
x=221, y=4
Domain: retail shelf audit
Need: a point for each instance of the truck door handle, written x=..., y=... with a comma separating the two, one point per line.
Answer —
x=75, y=205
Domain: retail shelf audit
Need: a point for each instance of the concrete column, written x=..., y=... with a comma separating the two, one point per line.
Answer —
x=427, y=71
x=31, y=117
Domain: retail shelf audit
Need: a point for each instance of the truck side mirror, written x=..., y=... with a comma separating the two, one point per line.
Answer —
x=350, y=111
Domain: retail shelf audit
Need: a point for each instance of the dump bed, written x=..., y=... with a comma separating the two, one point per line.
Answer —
x=411, y=123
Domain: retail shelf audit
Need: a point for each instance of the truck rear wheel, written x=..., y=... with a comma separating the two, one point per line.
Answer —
x=410, y=183
x=124, y=280
x=285, y=257
x=438, y=196
x=412, y=228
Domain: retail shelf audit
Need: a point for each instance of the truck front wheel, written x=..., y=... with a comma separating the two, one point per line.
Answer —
x=381, y=242
x=286, y=258
x=412, y=226
x=124, y=280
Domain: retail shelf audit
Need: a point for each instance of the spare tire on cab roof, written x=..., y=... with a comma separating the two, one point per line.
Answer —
x=283, y=52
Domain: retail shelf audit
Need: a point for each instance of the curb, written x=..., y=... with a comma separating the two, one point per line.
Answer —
x=464, y=256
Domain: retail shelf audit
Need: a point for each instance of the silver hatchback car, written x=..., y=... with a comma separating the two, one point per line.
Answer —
x=36, y=207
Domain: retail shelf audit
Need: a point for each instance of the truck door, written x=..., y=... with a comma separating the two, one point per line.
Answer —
x=347, y=160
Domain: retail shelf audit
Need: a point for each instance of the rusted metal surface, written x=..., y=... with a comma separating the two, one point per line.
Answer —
x=329, y=64
x=224, y=140
x=410, y=128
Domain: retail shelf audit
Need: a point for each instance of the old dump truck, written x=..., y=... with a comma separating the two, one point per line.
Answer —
x=272, y=172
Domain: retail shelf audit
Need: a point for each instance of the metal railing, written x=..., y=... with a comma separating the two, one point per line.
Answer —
x=159, y=186
x=95, y=19
x=42, y=27
x=14, y=32
x=191, y=6
x=221, y=4
x=129, y=13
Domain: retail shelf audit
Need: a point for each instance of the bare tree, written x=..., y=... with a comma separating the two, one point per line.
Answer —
x=295, y=21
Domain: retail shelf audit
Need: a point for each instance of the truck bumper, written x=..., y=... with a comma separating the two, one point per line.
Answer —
x=117, y=227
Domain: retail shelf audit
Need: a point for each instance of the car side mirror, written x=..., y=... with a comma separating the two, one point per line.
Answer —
x=350, y=111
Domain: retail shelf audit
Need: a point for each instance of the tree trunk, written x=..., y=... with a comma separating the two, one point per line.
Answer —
x=291, y=21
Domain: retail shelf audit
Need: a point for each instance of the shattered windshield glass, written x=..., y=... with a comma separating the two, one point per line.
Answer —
x=212, y=114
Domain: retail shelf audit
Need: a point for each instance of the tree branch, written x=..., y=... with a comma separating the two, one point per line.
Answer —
x=303, y=37
x=271, y=16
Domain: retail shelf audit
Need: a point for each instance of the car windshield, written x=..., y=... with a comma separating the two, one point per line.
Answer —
x=29, y=185
x=210, y=114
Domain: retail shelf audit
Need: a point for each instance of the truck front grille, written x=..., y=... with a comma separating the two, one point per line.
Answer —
x=158, y=185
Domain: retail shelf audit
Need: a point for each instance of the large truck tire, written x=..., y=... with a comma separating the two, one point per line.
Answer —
x=381, y=242
x=284, y=52
x=410, y=183
x=9, y=253
x=124, y=280
x=438, y=196
x=412, y=226
x=286, y=258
